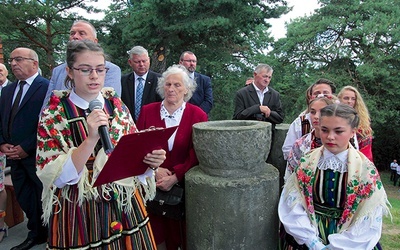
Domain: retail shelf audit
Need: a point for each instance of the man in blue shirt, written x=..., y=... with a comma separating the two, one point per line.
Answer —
x=83, y=30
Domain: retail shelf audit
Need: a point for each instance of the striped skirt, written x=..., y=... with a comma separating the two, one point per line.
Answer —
x=89, y=226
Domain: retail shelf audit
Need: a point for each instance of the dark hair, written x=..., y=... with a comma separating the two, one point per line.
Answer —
x=323, y=81
x=185, y=52
x=343, y=111
x=75, y=48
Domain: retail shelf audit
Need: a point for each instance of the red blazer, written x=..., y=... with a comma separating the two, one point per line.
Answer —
x=182, y=157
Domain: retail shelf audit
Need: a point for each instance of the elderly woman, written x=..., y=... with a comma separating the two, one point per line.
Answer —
x=349, y=95
x=176, y=88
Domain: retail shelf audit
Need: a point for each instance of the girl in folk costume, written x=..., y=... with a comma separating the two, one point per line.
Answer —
x=335, y=198
x=70, y=156
x=363, y=138
x=311, y=140
x=306, y=143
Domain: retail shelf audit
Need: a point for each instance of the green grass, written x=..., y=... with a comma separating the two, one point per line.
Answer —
x=390, y=239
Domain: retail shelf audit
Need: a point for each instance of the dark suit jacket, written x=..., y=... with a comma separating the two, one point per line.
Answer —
x=203, y=96
x=24, y=130
x=149, y=92
x=247, y=105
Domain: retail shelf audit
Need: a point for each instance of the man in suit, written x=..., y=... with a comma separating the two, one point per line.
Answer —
x=83, y=30
x=139, y=87
x=3, y=76
x=258, y=101
x=203, y=96
x=18, y=132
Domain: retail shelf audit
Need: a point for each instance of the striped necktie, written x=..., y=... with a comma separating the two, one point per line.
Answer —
x=139, y=95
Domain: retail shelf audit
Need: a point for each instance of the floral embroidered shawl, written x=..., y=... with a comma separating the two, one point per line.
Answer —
x=55, y=145
x=364, y=190
x=299, y=148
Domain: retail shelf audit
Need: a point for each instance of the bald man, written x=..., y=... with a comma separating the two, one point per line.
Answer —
x=20, y=105
x=83, y=30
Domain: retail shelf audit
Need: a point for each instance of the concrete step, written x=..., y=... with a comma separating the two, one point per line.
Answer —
x=16, y=235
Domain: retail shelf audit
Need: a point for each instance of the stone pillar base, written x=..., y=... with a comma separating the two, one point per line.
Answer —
x=232, y=213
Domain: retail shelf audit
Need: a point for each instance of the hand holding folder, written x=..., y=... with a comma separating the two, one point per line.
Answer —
x=127, y=158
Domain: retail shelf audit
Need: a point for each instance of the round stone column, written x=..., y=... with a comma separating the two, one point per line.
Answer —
x=232, y=195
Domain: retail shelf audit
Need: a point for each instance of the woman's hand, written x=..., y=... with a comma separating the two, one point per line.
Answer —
x=162, y=172
x=155, y=158
x=167, y=182
x=95, y=119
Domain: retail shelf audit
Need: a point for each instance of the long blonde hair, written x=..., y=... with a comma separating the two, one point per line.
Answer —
x=365, y=122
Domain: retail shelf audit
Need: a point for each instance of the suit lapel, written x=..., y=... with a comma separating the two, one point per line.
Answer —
x=267, y=98
x=130, y=85
x=147, y=86
x=32, y=89
x=197, y=78
x=253, y=93
x=8, y=96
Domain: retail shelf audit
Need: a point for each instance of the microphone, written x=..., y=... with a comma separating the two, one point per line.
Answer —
x=103, y=130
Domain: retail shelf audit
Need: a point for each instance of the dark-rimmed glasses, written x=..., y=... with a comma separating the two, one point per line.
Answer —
x=88, y=71
x=19, y=59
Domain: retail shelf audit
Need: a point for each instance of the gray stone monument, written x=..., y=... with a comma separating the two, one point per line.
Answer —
x=232, y=195
x=276, y=151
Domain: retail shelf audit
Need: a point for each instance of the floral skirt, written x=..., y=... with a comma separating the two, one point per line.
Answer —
x=89, y=226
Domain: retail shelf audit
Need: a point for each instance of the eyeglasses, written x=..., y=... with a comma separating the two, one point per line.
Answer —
x=88, y=71
x=190, y=61
x=19, y=59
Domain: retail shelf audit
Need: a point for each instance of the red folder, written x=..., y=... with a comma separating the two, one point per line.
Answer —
x=127, y=158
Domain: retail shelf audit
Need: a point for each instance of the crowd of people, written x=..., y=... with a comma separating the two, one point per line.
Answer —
x=333, y=197
x=50, y=137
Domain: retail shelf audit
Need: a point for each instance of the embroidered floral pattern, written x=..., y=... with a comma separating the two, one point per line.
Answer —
x=52, y=130
x=306, y=179
x=54, y=134
x=302, y=146
x=359, y=190
x=360, y=187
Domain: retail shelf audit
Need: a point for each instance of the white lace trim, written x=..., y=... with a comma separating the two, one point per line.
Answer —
x=336, y=163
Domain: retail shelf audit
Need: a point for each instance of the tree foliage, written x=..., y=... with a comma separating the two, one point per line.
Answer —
x=40, y=25
x=225, y=35
x=354, y=42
